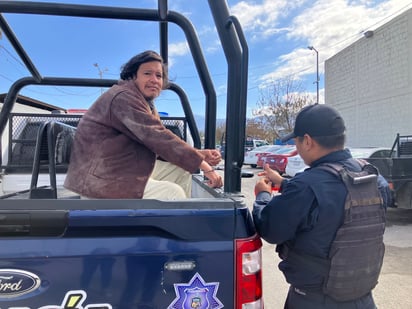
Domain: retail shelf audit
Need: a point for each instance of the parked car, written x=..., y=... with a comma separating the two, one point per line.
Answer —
x=251, y=143
x=251, y=156
x=279, y=159
x=268, y=151
x=296, y=165
x=222, y=150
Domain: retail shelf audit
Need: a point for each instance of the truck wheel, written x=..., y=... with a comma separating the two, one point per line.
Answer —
x=404, y=196
x=253, y=165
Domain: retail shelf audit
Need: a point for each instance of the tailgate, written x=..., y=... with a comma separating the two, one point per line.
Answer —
x=117, y=254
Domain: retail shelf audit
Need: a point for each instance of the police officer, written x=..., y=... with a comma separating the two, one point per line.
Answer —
x=305, y=217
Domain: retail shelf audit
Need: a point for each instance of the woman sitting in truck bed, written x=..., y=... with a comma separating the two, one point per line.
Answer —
x=119, y=138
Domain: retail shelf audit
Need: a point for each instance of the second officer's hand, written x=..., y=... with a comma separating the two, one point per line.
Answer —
x=272, y=175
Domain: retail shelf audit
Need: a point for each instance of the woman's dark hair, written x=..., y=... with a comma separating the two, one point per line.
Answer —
x=129, y=69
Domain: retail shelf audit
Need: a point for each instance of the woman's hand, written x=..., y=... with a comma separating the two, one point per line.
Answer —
x=214, y=179
x=211, y=156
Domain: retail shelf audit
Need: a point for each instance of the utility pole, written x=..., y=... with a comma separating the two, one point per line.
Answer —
x=317, y=72
x=100, y=73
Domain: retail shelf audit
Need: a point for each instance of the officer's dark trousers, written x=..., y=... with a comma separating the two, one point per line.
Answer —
x=298, y=299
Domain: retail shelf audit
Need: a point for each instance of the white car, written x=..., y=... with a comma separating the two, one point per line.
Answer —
x=296, y=165
x=251, y=156
x=251, y=143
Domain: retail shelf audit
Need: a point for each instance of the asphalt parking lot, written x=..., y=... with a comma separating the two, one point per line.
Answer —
x=394, y=289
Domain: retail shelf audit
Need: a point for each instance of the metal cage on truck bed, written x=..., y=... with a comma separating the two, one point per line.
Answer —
x=398, y=166
x=24, y=128
x=397, y=170
x=233, y=43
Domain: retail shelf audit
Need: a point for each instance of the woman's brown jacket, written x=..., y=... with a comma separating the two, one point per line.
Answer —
x=116, y=145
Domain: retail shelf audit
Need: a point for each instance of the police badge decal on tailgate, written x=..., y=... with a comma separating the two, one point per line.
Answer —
x=196, y=294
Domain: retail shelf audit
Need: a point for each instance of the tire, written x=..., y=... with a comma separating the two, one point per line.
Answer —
x=253, y=165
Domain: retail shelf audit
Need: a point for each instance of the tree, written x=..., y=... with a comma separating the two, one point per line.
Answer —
x=278, y=106
x=255, y=127
x=220, y=133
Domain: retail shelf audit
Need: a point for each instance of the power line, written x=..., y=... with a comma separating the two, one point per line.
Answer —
x=11, y=55
x=5, y=77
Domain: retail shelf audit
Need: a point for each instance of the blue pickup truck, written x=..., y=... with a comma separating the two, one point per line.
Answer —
x=62, y=252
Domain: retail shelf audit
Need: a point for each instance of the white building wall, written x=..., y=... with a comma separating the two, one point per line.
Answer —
x=370, y=83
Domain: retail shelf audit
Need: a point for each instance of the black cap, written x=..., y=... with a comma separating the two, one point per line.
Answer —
x=317, y=120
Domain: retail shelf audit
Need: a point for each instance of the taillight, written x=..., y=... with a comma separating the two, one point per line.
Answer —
x=248, y=273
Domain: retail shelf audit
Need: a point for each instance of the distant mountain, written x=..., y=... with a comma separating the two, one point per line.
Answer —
x=200, y=122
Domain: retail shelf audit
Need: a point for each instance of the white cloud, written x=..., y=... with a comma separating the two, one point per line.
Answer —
x=252, y=17
x=178, y=49
x=263, y=19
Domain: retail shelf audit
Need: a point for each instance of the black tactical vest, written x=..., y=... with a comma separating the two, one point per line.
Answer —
x=356, y=254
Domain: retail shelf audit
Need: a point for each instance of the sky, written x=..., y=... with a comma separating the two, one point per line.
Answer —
x=278, y=34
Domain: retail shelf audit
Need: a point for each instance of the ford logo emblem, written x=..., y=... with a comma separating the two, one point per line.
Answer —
x=16, y=282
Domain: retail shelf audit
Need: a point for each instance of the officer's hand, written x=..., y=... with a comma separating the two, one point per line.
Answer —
x=272, y=175
x=263, y=184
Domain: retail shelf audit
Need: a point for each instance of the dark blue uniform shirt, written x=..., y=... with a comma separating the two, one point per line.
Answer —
x=307, y=214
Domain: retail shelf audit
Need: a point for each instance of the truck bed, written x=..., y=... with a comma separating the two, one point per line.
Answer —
x=93, y=249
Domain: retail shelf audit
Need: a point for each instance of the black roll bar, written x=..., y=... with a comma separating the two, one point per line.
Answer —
x=236, y=52
x=190, y=118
